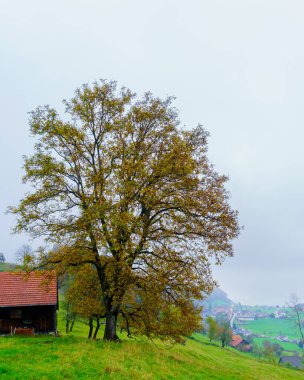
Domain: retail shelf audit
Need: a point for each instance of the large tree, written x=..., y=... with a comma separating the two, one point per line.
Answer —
x=119, y=185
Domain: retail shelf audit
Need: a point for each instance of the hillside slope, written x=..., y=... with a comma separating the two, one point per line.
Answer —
x=72, y=357
x=75, y=357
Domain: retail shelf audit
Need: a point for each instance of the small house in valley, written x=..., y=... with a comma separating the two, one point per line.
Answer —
x=293, y=360
x=239, y=343
x=28, y=302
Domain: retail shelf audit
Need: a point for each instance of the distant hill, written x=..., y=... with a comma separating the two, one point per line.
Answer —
x=218, y=295
x=218, y=298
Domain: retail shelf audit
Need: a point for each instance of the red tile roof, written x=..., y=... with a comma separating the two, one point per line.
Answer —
x=21, y=289
x=236, y=340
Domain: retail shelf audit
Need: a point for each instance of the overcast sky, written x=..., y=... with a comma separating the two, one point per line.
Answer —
x=237, y=67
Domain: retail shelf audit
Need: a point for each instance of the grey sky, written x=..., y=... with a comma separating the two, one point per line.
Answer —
x=234, y=66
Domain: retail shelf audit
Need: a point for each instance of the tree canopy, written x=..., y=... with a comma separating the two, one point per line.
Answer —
x=117, y=184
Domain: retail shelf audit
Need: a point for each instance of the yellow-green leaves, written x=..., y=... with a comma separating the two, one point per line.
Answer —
x=121, y=187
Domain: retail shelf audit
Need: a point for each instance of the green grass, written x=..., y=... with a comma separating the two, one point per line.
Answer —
x=46, y=358
x=273, y=327
x=288, y=347
x=75, y=357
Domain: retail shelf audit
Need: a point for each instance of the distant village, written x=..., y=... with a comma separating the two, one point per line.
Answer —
x=220, y=307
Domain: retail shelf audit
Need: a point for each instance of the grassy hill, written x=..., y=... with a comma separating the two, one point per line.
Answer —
x=217, y=298
x=75, y=357
x=4, y=267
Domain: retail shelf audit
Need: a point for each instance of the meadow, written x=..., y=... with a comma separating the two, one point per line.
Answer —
x=73, y=356
x=76, y=357
x=289, y=348
x=273, y=327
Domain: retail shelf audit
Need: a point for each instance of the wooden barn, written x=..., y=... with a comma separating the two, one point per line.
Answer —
x=28, y=302
x=239, y=343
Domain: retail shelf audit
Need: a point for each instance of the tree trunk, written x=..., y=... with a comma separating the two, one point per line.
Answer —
x=72, y=324
x=110, y=329
x=91, y=328
x=67, y=318
x=97, y=328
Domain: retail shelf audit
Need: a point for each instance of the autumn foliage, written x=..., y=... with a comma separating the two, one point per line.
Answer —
x=132, y=201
